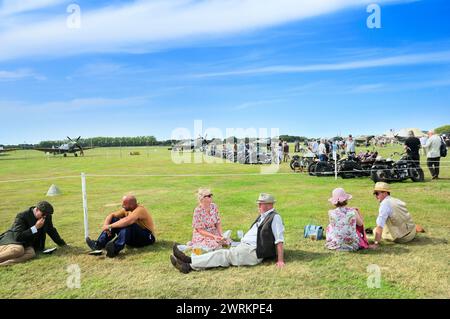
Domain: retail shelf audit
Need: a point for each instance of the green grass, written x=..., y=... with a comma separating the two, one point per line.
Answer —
x=416, y=270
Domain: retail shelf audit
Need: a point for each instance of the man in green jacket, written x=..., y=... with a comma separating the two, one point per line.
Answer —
x=27, y=235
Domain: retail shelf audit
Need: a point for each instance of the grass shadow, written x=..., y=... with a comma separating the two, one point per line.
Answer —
x=423, y=240
x=158, y=246
x=301, y=255
x=71, y=250
x=63, y=252
x=395, y=249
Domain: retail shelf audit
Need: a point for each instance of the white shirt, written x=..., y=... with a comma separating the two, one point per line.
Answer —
x=433, y=146
x=250, y=237
x=385, y=212
x=423, y=140
x=350, y=146
x=315, y=148
x=322, y=149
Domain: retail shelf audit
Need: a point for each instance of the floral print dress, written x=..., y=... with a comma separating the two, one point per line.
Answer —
x=341, y=232
x=206, y=221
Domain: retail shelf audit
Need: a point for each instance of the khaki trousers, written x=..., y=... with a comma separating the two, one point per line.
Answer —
x=407, y=238
x=241, y=255
x=14, y=254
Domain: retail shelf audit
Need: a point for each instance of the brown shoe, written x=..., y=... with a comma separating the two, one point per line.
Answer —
x=180, y=255
x=181, y=266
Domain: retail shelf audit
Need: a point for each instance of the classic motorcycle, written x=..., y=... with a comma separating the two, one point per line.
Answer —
x=322, y=168
x=357, y=166
x=388, y=170
x=301, y=163
x=349, y=167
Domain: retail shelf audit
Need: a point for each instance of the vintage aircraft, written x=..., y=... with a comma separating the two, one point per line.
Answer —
x=198, y=144
x=71, y=147
x=363, y=140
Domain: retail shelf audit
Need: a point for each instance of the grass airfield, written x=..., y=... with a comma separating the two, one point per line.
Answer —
x=417, y=270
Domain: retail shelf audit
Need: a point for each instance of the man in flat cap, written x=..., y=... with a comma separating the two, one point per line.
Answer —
x=264, y=240
x=394, y=223
x=27, y=235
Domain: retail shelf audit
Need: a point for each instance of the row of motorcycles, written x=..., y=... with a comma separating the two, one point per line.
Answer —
x=368, y=164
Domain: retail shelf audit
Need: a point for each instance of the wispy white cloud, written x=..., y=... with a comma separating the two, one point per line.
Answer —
x=10, y=7
x=19, y=75
x=109, y=69
x=341, y=88
x=81, y=104
x=394, y=87
x=252, y=104
x=442, y=57
x=100, y=69
x=367, y=88
x=142, y=26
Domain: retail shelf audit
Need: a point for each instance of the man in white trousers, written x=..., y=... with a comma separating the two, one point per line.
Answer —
x=264, y=240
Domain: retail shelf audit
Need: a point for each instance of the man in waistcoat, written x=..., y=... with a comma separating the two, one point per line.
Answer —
x=394, y=223
x=264, y=240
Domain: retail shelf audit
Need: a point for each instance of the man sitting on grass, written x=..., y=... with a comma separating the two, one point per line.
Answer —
x=27, y=235
x=133, y=226
x=264, y=240
x=394, y=223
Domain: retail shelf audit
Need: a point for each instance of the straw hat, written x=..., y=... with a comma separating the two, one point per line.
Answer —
x=202, y=192
x=382, y=187
x=266, y=199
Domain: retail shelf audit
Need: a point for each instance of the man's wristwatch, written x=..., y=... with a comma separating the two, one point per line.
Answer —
x=109, y=228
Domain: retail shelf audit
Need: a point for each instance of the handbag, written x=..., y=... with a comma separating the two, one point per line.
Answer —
x=362, y=237
x=313, y=232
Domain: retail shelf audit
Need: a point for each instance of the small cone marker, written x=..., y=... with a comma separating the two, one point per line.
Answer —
x=53, y=191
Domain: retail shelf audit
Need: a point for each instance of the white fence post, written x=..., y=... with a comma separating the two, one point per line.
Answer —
x=85, y=207
x=335, y=165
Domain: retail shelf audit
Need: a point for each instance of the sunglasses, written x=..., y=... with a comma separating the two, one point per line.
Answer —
x=377, y=193
x=209, y=196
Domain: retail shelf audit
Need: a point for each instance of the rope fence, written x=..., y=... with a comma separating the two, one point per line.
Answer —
x=173, y=175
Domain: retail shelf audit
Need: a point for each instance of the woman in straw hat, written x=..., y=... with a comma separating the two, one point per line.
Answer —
x=206, y=224
x=345, y=231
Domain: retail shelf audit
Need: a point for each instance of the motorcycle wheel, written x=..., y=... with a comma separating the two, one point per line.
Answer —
x=378, y=175
x=322, y=168
x=416, y=174
x=348, y=169
x=294, y=165
x=347, y=175
x=312, y=169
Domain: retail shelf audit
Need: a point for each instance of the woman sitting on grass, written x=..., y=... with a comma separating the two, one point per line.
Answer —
x=346, y=230
x=206, y=224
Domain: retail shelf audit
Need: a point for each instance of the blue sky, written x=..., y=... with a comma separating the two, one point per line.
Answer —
x=309, y=68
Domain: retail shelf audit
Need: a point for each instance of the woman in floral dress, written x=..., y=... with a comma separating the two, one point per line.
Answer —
x=206, y=224
x=345, y=231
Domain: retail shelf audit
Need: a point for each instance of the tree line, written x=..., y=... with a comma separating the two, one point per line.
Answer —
x=139, y=141
x=443, y=130
x=111, y=142
x=152, y=141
